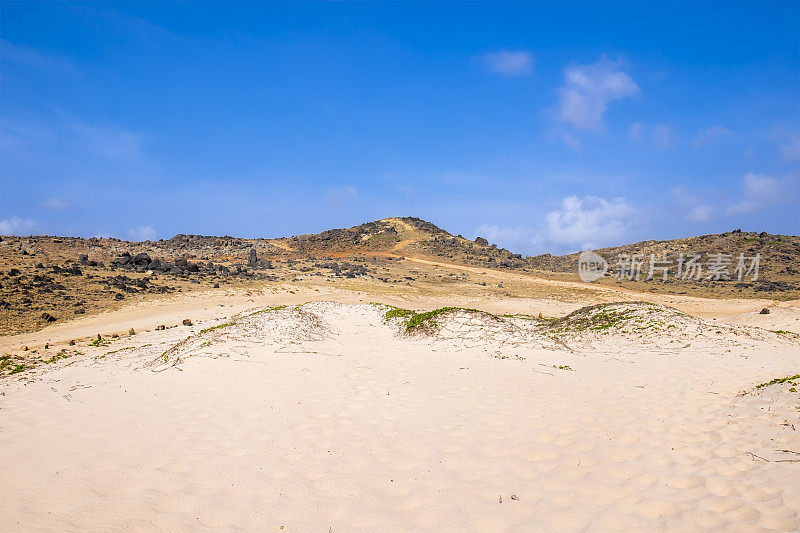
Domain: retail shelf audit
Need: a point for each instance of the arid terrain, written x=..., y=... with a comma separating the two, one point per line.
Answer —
x=394, y=377
x=53, y=279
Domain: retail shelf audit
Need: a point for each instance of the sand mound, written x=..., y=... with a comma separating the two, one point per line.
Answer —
x=269, y=327
x=611, y=327
x=645, y=324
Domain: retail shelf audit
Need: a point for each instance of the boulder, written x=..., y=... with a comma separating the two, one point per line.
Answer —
x=141, y=259
x=123, y=259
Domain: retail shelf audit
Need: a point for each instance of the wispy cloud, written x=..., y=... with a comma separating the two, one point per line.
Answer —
x=572, y=141
x=126, y=26
x=110, y=142
x=588, y=89
x=790, y=149
x=760, y=191
x=56, y=204
x=142, y=233
x=16, y=226
x=662, y=136
x=34, y=59
x=693, y=209
x=337, y=197
x=707, y=135
x=508, y=63
x=61, y=137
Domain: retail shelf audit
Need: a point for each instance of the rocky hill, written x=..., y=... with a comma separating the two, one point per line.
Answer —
x=779, y=263
x=45, y=278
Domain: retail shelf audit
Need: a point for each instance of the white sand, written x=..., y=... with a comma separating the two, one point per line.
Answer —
x=330, y=417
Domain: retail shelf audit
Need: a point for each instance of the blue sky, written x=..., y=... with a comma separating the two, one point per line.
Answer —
x=544, y=127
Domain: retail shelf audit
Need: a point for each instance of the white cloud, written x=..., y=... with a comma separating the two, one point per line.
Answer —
x=56, y=204
x=662, y=136
x=16, y=226
x=791, y=149
x=579, y=223
x=110, y=142
x=142, y=233
x=694, y=211
x=516, y=237
x=587, y=222
x=508, y=63
x=699, y=213
x=635, y=131
x=336, y=197
x=760, y=191
x=571, y=140
x=707, y=135
x=588, y=89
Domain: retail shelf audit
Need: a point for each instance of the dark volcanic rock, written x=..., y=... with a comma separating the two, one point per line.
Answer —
x=252, y=261
x=123, y=259
x=141, y=259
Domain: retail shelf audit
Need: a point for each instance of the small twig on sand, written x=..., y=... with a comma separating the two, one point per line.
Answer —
x=754, y=456
x=789, y=451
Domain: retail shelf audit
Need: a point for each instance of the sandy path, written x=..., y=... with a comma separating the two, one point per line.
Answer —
x=704, y=307
x=367, y=430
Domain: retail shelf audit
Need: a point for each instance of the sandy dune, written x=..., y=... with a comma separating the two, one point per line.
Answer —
x=330, y=416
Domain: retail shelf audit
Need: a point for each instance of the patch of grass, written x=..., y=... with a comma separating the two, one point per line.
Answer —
x=218, y=326
x=384, y=237
x=780, y=332
x=603, y=317
x=428, y=318
x=563, y=367
x=14, y=365
x=415, y=321
x=396, y=312
x=19, y=368
x=100, y=342
x=121, y=349
x=268, y=309
x=524, y=316
x=58, y=357
x=777, y=381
